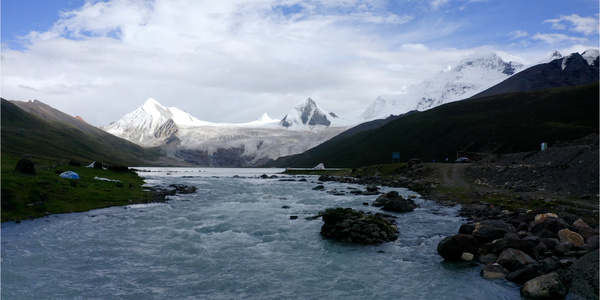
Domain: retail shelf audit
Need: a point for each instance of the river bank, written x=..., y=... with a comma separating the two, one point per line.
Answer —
x=538, y=208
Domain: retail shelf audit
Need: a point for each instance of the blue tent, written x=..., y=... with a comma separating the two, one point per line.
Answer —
x=69, y=174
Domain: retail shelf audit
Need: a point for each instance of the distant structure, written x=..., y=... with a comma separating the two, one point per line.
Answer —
x=320, y=166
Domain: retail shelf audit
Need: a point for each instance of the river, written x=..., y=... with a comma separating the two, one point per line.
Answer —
x=234, y=239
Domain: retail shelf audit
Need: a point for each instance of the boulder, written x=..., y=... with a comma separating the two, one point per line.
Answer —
x=547, y=227
x=525, y=274
x=541, y=217
x=548, y=286
x=592, y=242
x=346, y=224
x=392, y=201
x=25, y=166
x=568, y=236
x=584, y=229
x=489, y=230
x=452, y=247
x=493, y=271
x=510, y=240
x=513, y=259
x=582, y=276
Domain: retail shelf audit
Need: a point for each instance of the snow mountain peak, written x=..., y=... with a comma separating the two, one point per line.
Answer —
x=471, y=76
x=307, y=114
x=152, y=123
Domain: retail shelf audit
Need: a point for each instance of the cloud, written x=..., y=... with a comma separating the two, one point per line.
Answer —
x=517, y=34
x=557, y=38
x=231, y=61
x=575, y=23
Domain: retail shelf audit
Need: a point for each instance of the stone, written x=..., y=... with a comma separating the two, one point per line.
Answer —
x=25, y=166
x=399, y=205
x=562, y=248
x=584, y=229
x=394, y=202
x=488, y=258
x=547, y=227
x=346, y=224
x=513, y=259
x=489, y=230
x=549, y=286
x=466, y=256
x=466, y=228
x=319, y=187
x=452, y=247
x=592, y=242
x=510, y=240
x=525, y=274
x=582, y=276
x=568, y=236
x=493, y=271
x=541, y=217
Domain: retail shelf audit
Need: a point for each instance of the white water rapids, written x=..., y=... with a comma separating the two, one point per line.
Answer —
x=234, y=240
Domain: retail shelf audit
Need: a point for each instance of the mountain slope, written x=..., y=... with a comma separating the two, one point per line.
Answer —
x=574, y=69
x=499, y=124
x=471, y=76
x=26, y=133
x=307, y=115
x=201, y=143
x=151, y=124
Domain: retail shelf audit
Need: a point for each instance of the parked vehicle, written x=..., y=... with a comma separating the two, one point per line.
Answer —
x=463, y=160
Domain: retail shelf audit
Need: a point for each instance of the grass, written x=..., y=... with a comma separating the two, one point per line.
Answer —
x=33, y=196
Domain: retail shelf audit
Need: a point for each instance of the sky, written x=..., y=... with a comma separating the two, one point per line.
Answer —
x=233, y=60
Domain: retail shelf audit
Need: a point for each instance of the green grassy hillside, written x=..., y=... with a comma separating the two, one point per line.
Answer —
x=506, y=123
x=26, y=134
x=33, y=196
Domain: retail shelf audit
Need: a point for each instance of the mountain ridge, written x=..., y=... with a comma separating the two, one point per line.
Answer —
x=498, y=124
x=42, y=131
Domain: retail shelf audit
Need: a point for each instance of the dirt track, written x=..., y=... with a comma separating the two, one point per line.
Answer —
x=563, y=179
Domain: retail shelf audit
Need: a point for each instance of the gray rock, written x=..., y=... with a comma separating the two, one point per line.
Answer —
x=582, y=276
x=489, y=230
x=525, y=274
x=592, y=242
x=549, y=286
x=513, y=259
x=493, y=271
x=452, y=247
x=25, y=166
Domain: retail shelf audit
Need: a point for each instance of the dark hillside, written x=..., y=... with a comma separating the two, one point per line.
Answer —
x=26, y=134
x=572, y=70
x=506, y=123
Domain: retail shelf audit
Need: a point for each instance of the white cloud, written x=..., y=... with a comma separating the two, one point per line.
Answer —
x=557, y=38
x=227, y=61
x=575, y=23
x=517, y=34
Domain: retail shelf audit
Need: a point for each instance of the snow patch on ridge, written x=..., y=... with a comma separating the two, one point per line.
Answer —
x=471, y=76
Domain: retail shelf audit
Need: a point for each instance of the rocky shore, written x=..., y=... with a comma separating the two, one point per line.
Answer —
x=531, y=218
x=160, y=194
x=547, y=255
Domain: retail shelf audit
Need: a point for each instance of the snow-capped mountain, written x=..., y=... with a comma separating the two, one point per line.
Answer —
x=571, y=70
x=152, y=123
x=471, y=76
x=309, y=115
x=218, y=144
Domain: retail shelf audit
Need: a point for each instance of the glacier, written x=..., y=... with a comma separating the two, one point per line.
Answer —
x=472, y=75
x=197, y=142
